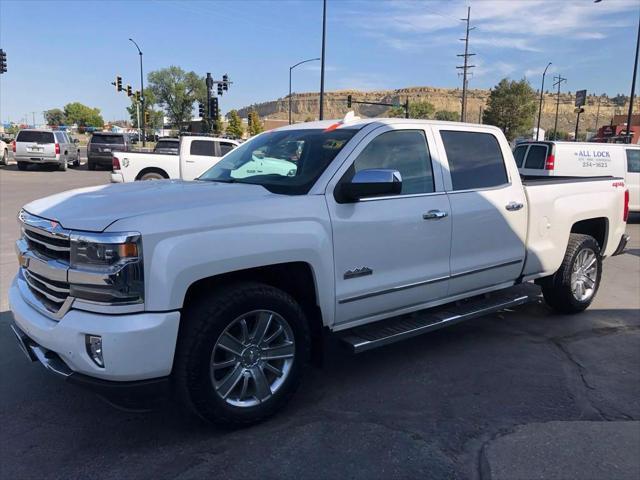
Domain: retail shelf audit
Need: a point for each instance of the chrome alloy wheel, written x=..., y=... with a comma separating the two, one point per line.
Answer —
x=584, y=275
x=252, y=358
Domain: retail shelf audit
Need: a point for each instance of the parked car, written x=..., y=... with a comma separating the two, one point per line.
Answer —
x=221, y=290
x=167, y=146
x=197, y=153
x=576, y=159
x=101, y=147
x=4, y=152
x=39, y=147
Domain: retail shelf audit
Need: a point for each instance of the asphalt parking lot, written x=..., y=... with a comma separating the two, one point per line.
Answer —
x=522, y=394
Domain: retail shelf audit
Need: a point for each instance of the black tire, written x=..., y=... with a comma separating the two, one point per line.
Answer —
x=63, y=166
x=22, y=165
x=5, y=157
x=557, y=289
x=91, y=165
x=202, y=325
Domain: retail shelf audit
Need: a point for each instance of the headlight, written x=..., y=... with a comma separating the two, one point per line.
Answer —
x=107, y=268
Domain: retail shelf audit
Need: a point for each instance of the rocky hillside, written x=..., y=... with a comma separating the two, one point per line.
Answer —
x=305, y=106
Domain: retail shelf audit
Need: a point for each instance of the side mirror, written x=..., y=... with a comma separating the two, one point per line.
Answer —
x=370, y=183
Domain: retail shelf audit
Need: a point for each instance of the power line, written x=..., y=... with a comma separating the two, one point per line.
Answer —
x=466, y=67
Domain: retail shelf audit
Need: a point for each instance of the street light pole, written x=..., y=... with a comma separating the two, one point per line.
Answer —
x=540, y=106
x=290, y=70
x=144, y=136
x=633, y=86
x=324, y=33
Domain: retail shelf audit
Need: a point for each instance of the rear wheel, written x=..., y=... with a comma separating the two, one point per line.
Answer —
x=22, y=165
x=91, y=165
x=574, y=286
x=241, y=353
x=63, y=166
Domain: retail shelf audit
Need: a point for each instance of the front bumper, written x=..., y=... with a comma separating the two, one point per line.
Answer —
x=117, y=177
x=137, y=346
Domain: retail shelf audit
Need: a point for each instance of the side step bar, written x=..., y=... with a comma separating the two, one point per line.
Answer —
x=391, y=330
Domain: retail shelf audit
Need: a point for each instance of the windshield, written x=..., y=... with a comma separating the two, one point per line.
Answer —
x=287, y=161
x=112, y=139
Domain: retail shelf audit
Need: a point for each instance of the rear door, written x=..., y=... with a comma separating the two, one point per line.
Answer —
x=197, y=156
x=35, y=144
x=632, y=179
x=488, y=208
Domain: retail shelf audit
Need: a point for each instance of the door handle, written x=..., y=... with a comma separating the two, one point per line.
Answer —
x=434, y=215
x=513, y=206
x=190, y=161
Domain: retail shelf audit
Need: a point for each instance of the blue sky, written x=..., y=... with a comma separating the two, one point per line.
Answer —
x=60, y=51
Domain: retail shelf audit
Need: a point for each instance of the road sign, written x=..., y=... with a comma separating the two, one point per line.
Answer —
x=581, y=98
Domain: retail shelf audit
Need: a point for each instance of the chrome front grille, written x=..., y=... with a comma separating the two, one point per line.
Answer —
x=44, y=253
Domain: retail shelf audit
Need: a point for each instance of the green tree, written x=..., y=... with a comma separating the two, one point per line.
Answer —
x=255, y=125
x=235, y=127
x=83, y=116
x=511, y=106
x=176, y=91
x=422, y=110
x=447, y=115
x=54, y=117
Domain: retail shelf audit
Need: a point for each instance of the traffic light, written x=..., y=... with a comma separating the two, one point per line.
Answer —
x=119, y=84
x=137, y=95
x=225, y=82
x=220, y=89
x=348, y=101
x=201, y=110
x=129, y=92
x=214, y=109
x=3, y=61
x=147, y=117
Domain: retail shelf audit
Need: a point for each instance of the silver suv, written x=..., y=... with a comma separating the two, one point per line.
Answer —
x=45, y=147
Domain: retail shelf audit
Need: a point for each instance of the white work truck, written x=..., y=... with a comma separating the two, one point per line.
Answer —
x=197, y=153
x=221, y=290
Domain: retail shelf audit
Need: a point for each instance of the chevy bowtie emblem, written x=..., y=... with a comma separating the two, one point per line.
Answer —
x=23, y=261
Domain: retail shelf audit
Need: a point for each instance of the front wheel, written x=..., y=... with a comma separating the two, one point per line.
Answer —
x=241, y=353
x=5, y=157
x=574, y=286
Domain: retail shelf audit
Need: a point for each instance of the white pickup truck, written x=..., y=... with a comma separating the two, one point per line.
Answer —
x=220, y=290
x=197, y=154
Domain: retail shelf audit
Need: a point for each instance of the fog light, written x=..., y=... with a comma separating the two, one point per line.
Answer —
x=94, y=349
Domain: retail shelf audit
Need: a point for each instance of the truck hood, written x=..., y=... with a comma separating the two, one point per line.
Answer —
x=95, y=208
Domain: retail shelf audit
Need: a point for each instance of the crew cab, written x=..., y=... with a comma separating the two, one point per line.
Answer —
x=196, y=154
x=221, y=290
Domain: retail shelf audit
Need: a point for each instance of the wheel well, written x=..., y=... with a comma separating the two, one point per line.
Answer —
x=295, y=278
x=151, y=170
x=595, y=227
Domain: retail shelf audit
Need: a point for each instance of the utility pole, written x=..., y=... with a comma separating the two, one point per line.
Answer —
x=595, y=129
x=540, y=106
x=324, y=33
x=633, y=87
x=290, y=70
x=142, y=99
x=480, y=115
x=33, y=116
x=558, y=81
x=209, y=82
x=466, y=65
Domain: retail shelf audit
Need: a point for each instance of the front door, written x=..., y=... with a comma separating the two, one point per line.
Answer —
x=391, y=253
x=200, y=156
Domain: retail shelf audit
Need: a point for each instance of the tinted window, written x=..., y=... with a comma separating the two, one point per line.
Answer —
x=633, y=160
x=518, y=154
x=536, y=157
x=226, y=147
x=60, y=137
x=203, y=147
x=475, y=160
x=108, y=139
x=402, y=150
x=35, y=137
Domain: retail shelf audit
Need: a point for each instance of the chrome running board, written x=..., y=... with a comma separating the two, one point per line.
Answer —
x=391, y=330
